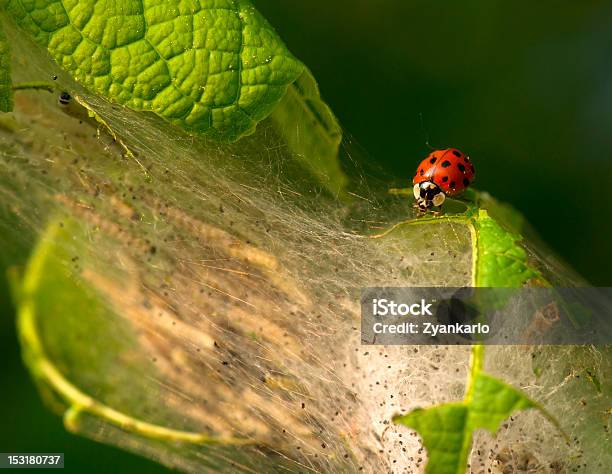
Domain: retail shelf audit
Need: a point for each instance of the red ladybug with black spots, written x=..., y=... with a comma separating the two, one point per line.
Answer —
x=443, y=173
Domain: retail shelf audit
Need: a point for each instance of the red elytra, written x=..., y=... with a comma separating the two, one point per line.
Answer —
x=450, y=169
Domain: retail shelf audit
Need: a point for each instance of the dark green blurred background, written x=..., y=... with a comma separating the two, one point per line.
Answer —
x=524, y=87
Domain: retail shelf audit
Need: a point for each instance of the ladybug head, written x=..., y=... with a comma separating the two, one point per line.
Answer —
x=428, y=194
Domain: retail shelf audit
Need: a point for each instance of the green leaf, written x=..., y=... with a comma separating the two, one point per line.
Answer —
x=6, y=85
x=58, y=307
x=443, y=430
x=210, y=67
x=502, y=212
x=447, y=429
x=494, y=401
x=311, y=131
x=499, y=257
x=52, y=281
x=501, y=260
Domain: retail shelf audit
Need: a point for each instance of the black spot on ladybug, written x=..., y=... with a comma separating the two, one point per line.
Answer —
x=461, y=167
x=466, y=182
x=421, y=172
x=457, y=153
x=433, y=160
x=452, y=184
x=445, y=179
x=446, y=164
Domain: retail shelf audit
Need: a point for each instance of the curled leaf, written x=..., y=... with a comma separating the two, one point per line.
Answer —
x=210, y=67
x=312, y=131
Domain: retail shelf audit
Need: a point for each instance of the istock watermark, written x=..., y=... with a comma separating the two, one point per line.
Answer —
x=384, y=307
x=486, y=315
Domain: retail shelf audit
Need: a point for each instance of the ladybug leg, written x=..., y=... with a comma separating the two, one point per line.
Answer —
x=420, y=211
x=438, y=212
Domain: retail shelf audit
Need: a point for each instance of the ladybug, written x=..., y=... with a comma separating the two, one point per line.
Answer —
x=443, y=173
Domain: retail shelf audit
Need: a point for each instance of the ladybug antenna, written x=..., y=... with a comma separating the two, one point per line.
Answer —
x=425, y=132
